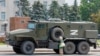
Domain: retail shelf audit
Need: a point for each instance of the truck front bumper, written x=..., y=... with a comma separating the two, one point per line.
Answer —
x=10, y=42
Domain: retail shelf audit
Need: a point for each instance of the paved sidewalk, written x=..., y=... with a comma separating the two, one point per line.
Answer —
x=7, y=48
x=95, y=50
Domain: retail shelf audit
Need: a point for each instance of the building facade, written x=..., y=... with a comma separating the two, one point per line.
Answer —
x=9, y=8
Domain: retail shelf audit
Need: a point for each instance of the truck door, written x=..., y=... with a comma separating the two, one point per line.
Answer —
x=42, y=31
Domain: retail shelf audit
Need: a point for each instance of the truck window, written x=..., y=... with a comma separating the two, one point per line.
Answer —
x=31, y=25
x=40, y=26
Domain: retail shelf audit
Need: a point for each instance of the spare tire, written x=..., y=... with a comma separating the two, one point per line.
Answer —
x=56, y=33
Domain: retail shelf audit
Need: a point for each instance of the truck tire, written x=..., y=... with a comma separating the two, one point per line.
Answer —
x=83, y=47
x=56, y=50
x=27, y=47
x=69, y=48
x=17, y=50
x=56, y=33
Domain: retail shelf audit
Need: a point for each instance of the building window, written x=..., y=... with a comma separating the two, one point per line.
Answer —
x=2, y=3
x=16, y=3
x=3, y=16
x=3, y=28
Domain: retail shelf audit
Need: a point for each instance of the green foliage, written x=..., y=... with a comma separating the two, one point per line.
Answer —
x=66, y=12
x=72, y=15
x=85, y=10
x=57, y=11
x=61, y=12
x=94, y=5
x=88, y=7
x=37, y=11
x=25, y=7
x=54, y=10
x=96, y=18
x=75, y=7
x=74, y=12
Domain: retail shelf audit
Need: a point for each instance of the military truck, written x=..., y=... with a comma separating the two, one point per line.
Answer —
x=77, y=36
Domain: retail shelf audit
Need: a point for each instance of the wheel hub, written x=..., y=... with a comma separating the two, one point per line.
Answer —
x=58, y=33
x=28, y=47
x=84, y=47
x=69, y=47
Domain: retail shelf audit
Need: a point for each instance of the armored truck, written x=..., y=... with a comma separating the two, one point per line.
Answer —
x=77, y=36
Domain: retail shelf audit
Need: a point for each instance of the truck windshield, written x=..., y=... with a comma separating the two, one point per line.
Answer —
x=31, y=25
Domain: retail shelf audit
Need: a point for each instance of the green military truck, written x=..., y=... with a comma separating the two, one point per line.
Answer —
x=77, y=36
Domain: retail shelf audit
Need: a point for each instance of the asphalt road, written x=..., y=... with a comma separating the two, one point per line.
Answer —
x=47, y=54
x=7, y=51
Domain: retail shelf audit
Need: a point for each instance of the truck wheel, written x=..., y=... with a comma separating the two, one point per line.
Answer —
x=56, y=50
x=56, y=33
x=83, y=47
x=69, y=48
x=75, y=50
x=27, y=47
x=17, y=50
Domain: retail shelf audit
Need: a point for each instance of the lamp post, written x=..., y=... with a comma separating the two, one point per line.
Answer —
x=5, y=26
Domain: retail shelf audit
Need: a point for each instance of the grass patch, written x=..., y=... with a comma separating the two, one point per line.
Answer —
x=98, y=43
x=2, y=43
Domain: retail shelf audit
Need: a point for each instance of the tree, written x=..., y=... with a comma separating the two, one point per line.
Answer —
x=54, y=10
x=65, y=12
x=88, y=7
x=37, y=11
x=72, y=16
x=74, y=12
x=45, y=10
x=25, y=7
x=96, y=18
x=61, y=13
x=94, y=5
